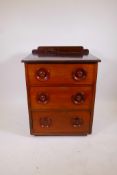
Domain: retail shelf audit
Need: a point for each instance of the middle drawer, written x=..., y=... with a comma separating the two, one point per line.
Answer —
x=42, y=98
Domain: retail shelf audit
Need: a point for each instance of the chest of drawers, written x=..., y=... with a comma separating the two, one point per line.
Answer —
x=61, y=92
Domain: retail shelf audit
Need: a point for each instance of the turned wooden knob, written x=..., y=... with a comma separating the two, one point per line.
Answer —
x=45, y=122
x=77, y=122
x=42, y=98
x=78, y=98
x=42, y=74
x=79, y=74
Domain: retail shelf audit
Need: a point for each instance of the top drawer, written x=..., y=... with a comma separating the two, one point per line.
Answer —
x=46, y=74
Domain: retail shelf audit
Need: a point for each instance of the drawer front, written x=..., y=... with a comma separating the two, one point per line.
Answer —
x=42, y=98
x=45, y=74
x=48, y=123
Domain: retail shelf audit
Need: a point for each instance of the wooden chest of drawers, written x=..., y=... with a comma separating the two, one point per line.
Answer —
x=61, y=93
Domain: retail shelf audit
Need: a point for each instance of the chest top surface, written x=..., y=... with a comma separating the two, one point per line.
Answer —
x=59, y=59
x=61, y=54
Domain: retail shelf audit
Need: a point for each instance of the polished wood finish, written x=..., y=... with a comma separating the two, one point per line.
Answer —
x=61, y=90
x=61, y=97
x=61, y=74
x=60, y=122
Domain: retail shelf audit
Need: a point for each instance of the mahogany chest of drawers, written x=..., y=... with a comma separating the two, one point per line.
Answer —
x=61, y=91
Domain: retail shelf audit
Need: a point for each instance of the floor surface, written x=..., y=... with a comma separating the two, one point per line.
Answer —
x=23, y=154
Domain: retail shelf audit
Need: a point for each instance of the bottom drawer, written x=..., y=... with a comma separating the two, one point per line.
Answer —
x=60, y=123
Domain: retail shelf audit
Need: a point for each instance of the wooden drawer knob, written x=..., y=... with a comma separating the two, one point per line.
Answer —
x=42, y=74
x=77, y=122
x=78, y=98
x=42, y=98
x=79, y=74
x=45, y=122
